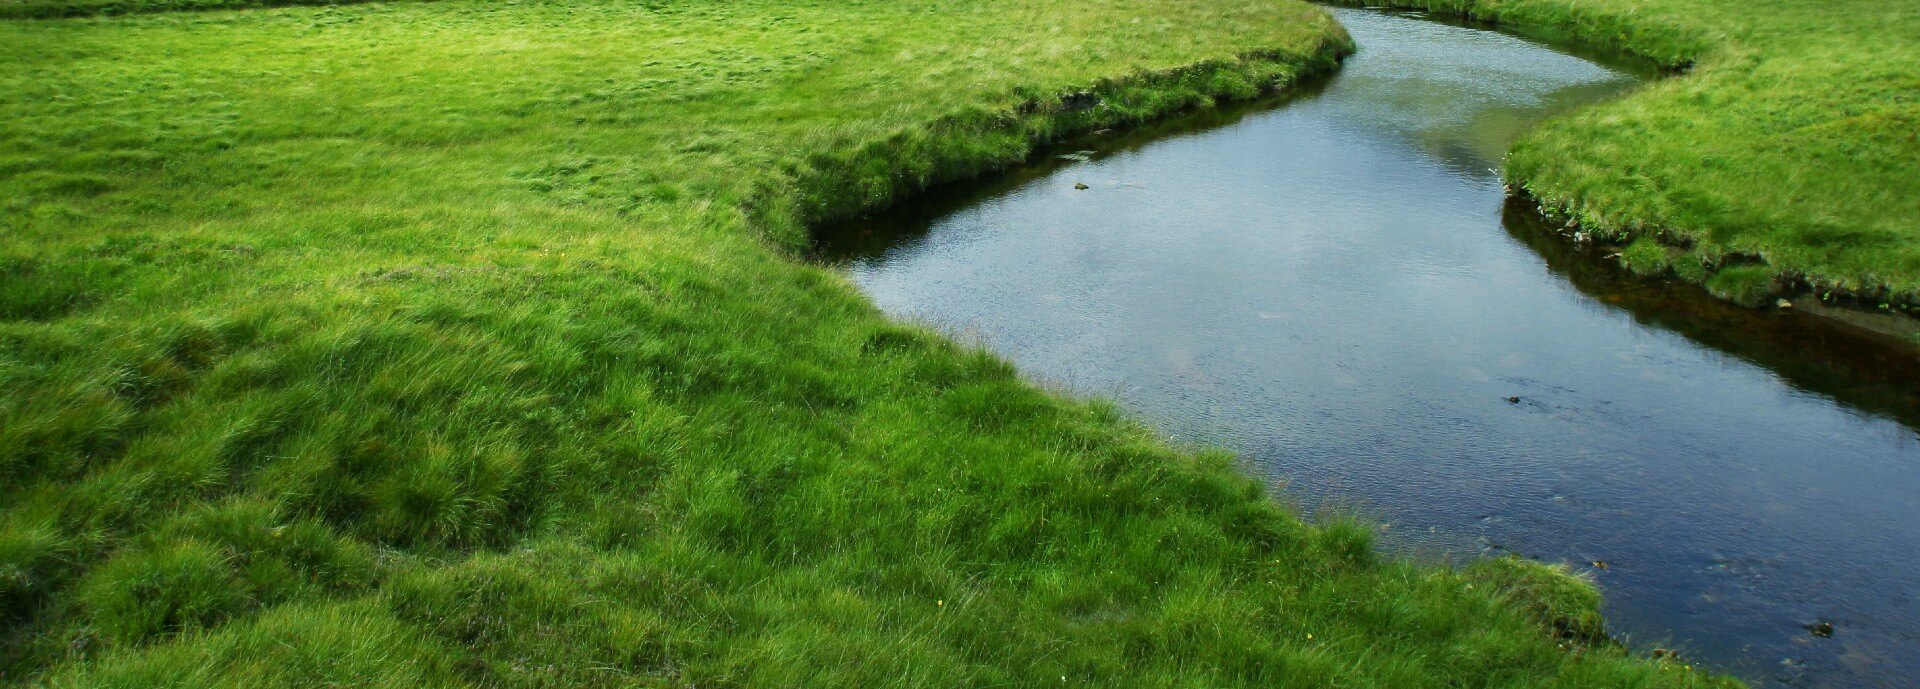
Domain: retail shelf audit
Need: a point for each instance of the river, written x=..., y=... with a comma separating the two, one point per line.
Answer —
x=1335, y=285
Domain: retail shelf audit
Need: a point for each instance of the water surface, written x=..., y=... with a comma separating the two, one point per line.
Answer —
x=1337, y=287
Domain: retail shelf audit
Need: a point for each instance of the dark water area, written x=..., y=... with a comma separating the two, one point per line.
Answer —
x=1335, y=285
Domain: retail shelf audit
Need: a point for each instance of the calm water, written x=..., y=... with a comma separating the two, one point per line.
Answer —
x=1336, y=287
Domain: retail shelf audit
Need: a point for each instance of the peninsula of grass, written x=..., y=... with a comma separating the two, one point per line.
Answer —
x=1786, y=160
x=460, y=344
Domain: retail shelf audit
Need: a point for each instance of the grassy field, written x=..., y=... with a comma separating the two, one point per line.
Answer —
x=49, y=9
x=458, y=344
x=1788, y=159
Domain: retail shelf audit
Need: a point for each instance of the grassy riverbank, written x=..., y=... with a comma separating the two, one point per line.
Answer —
x=1788, y=157
x=453, y=344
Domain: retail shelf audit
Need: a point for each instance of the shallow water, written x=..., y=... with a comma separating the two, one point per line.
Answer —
x=1336, y=286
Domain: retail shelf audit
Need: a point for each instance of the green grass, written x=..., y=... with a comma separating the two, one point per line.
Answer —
x=49, y=9
x=1793, y=139
x=460, y=344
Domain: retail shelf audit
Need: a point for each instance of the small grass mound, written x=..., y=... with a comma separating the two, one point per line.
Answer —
x=1646, y=256
x=1747, y=285
x=139, y=596
x=1556, y=596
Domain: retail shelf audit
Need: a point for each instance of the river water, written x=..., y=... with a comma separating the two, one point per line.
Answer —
x=1336, y=286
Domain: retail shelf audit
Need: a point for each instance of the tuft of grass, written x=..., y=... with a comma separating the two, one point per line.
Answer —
x=180, y=585
x=1646, y=256
x=1692, y=267
x=1793, y=135
x=457, y=344
x=1746, y=285
x=1346, y=539
x=31, y=553
x=1555, y=595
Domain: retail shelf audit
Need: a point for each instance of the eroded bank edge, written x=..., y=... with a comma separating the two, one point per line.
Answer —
x=864, y=177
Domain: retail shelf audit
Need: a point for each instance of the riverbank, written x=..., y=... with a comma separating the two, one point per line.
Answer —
x=1783, y=163
x=443, y=344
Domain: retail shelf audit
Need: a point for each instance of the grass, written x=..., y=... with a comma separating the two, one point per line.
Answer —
x=459, y=344
x=1791, y=145
x=50, y=9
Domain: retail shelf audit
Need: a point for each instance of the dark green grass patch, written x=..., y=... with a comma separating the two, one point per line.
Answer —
x=54, y=9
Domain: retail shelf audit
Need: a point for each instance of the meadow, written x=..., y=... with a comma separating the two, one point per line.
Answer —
x=464, y=344
x=1785, y=162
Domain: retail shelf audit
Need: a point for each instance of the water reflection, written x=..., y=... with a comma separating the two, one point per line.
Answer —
x=1859, y=368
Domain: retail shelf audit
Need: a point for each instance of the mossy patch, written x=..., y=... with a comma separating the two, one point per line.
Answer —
x=1646, y=257
x=1746, y=285
x=1692, y=268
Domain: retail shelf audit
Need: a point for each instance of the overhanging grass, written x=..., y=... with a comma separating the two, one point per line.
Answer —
x=444, y=345
x=1794, y=139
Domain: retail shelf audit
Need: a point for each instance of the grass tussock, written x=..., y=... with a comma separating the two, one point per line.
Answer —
x=452, y=344
x=1794, y=137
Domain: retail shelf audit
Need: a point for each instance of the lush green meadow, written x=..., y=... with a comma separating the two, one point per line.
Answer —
x=1787, y=159
x=461, y=344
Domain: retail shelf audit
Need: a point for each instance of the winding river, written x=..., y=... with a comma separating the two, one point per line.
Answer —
x=1336, y=286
